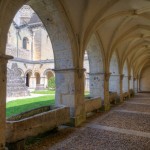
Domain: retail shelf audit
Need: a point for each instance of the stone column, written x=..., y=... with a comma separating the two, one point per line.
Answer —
x=70, y=92
x=121, y=87
x=3, y=74
x=32, y=81
x=135, y=85
x=138, y=84
x=106, y=91
x=131, y=82
x=42, y=81
x=129, y=78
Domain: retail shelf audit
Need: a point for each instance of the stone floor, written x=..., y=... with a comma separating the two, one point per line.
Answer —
x=125, y=127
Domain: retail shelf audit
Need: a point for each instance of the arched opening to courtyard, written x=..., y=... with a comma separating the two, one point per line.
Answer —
x=30, y=45
x=114, y=80
x=37, y=78
x=28, y=78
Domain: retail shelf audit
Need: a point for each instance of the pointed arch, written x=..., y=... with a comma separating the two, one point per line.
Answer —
x=96, y=67
x=125, y=78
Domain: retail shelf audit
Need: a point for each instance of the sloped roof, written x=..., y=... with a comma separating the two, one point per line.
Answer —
x=34, y=19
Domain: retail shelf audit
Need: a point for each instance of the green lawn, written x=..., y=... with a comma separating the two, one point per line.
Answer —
x=22, y=105
x=44, y=92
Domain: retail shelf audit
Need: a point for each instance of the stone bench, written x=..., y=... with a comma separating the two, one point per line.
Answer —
x=92, y=104
x=113, y=97
x=125, y=95
x=35, y=122
x=131, y=91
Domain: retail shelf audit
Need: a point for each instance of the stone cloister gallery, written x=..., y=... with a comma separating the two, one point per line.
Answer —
x=115, y=36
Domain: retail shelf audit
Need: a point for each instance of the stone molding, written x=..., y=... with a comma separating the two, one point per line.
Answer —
x=4, y=58
x=80, y=71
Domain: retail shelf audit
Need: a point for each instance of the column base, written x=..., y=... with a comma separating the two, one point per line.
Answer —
x=105, y=108
x=77, y=121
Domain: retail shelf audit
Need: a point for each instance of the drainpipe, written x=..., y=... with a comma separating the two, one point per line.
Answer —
x=17, y=42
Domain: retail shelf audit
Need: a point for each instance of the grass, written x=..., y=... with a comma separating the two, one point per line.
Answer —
x=44, y=92
x=22, y=105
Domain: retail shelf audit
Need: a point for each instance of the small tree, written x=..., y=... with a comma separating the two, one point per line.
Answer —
x=51, y=83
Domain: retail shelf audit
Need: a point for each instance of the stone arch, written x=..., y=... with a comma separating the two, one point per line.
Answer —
x=47, y=75
x=48, y=70
x=25, y=43
x=56, y=28
x=125, y=77
x=131, y=79
x=59, y=30
x=28, y=75
x=86, y=73
x=37, y=78
x=114, y=81
x=96, y=68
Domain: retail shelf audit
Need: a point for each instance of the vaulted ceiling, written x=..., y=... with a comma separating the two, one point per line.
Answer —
x=121, y=25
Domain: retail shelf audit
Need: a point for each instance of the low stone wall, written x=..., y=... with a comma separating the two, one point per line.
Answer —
x=113, y=97
x=34, y=122
x=92, y=104
x=131, y=91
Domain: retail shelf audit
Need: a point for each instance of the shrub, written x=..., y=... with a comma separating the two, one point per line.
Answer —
x=51, y=83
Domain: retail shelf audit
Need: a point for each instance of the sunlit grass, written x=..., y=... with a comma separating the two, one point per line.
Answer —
x=44, y=92
x=21, y=105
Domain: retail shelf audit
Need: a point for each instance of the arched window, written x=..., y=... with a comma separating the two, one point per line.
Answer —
x=25, y=42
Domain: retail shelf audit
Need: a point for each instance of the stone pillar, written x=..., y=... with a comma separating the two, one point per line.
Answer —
x=32, y=81
x=125, y=84
x=131, y=82
x=138, y=84
x=46, y=82
x=70, y=92
x=42, y=81
x=3, y=73
x=129, y=78
x=106, y=91
x=121, y=87
x=135, y=85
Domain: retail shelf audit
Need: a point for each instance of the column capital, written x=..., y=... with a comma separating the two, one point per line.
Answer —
x=121, y=76
x=129, y=77
x=107, y=76
x=79, y=71
x=134, y=78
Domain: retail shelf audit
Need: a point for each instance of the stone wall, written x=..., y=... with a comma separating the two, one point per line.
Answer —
x=145, y=80
x=15, y=83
